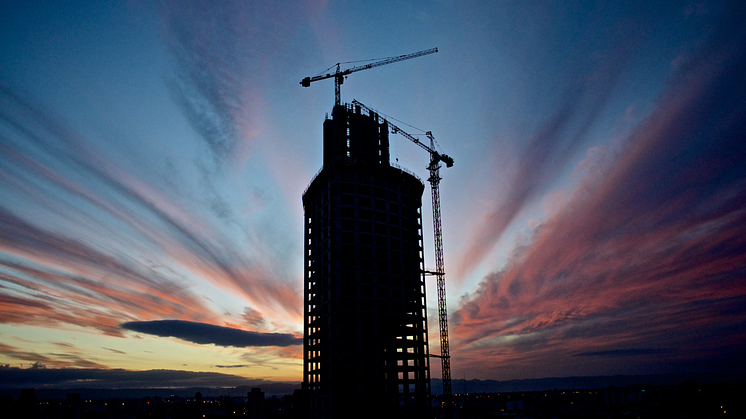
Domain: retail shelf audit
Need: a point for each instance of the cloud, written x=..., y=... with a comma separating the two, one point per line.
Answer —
x=252, y=317
x=64, y=345
x=78, y=231
x=650, y=252
x=221, y=69
x=546, y=152
x=205, y=334
x=117, y=378
x=210, y=83
x=274, y=357
x=40, y=361
x=627, y=352
x=220, y=78
x=76, y=297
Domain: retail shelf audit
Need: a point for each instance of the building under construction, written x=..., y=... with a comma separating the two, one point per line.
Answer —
x=365, y=345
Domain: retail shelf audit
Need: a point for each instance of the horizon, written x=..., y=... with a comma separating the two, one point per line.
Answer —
x=153, y=156
x=137, y=382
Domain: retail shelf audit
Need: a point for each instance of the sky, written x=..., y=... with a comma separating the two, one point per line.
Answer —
x=153, y=155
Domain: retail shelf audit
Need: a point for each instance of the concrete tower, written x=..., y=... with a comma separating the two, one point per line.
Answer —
x=365, y=328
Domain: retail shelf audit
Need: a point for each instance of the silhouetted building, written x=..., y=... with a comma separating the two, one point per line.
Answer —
x=365, y=330
x=73, y=406
x=27, y=404
x=255, y=404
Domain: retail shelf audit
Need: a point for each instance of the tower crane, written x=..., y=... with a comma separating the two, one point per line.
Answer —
x=340, y=74
x=434, y=179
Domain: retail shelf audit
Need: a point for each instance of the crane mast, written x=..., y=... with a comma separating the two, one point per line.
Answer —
x=340, y=74
x=434, y=179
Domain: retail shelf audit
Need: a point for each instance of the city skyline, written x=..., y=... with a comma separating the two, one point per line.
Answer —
x=153, y=156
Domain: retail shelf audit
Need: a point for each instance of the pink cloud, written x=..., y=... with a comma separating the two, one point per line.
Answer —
x=646, y=262
x=546, y=152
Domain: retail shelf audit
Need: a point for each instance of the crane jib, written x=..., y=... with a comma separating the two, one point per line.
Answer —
x=339, y=74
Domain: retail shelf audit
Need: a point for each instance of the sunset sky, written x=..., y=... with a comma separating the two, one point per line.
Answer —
x=153, y=155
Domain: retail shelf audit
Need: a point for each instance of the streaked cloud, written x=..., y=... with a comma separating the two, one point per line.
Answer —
x=252, y=317
x=210, y=83
x=627, y=352
x=220, y=67
x=648, y=254
x=205, y=334
x=118, y=378
x=114, y=246
x=56, y=360
x=571, y=109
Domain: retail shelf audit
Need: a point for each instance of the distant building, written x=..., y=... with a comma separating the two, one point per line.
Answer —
x=27, y=403
x=255, y=404
x=514, y=405
x=73, y=407
x=365, y=329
